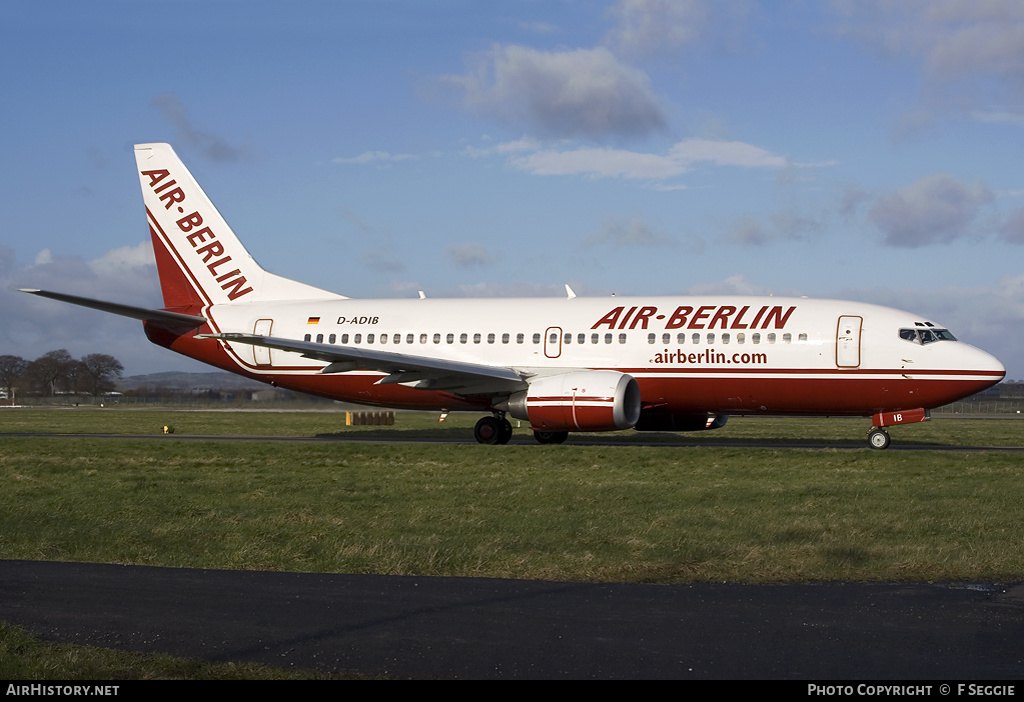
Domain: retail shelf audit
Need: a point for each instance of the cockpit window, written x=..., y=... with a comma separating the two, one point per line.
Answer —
x=926, y=336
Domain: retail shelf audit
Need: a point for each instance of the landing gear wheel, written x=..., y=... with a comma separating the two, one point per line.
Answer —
x=550, y=437
x=506, y=431
x=878, y=438
x=487, y=430
x=493, y=430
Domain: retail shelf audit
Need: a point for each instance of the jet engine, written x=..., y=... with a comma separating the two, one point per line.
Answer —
x=579, y=401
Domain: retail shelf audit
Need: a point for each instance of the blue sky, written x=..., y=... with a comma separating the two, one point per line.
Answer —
x=861, y=150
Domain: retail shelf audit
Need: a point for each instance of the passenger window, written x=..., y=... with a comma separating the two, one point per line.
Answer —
x=369, y=338
x=595, y=338
x=568, y=338
x=476, y=338
x=536, y=338
x=726, y=338
x=581, y=339
x=666, y=339
x=383, y=338
x=437, y=338
x=622, y=338
x=504, y=338
x=696, y=338
x=463, y=338
x=332, y=338
x=681, y=339
x=423, y=339
x=450, y=338
x=802, y=337
x=307, y=337
x=711, y=338
x=787, y=338
x=490, y=338
x=741, y=338
x=756, y=338
x=520, y=338
x=607, y=338
x=344, y=338
x=358, y=339
x=651, y=338
x=771, y=338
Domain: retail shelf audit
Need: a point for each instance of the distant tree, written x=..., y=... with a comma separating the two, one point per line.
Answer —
x=50, y=371
x=100, y=370
x=12, y=373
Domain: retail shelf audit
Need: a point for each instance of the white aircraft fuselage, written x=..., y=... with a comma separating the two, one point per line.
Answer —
x=565, y=364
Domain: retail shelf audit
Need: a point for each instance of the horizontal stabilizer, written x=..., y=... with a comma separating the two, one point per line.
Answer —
x=146, y=315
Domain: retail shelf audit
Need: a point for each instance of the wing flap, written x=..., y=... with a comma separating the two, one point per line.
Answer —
x=412, y=371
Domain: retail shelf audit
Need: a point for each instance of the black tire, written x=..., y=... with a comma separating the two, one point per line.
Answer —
x=506, y=431
x=550, y=437
x=488, y=430
x=878, y=439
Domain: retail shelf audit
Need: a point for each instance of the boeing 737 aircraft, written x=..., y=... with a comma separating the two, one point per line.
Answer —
x=564, y=365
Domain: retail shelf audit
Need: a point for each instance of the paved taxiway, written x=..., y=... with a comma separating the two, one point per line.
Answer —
x=414, y=627
x=522, y=439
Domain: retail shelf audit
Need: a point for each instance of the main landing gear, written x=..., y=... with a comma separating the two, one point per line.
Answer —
x=550, y=437
x=493, y=430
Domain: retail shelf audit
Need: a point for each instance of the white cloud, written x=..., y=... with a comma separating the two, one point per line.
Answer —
x=584, y=93
x=650, y=26
x=375, y=157
x=663, y=27
x=632, y=232
x=32, y=326
x=976, y=45
x=620, y=163
x=935, y=209
x=468, y=255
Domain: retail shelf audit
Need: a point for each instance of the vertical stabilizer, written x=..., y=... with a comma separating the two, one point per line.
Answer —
x=199, y=259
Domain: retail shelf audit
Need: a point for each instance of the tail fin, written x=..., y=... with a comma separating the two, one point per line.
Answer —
x=199, y=259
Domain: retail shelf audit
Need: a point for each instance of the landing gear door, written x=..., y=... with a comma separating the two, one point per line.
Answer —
x=262, y=353
x=848, y=342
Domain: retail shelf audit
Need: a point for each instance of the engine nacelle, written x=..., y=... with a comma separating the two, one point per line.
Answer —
x=579, y=401
x=678, y=421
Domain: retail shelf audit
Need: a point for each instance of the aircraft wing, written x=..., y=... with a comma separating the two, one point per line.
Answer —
x=412, y=371
x=146, y=315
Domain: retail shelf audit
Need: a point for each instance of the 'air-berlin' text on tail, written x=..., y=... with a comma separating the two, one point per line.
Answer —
x=199, y=259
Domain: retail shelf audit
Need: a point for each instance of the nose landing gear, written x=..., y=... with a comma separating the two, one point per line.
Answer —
x=878, y=438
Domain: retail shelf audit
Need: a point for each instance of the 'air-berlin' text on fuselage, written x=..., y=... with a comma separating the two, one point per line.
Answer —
x=702, y=317
x=212, y=251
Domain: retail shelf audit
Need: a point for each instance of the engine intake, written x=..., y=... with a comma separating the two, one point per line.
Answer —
x=579, y=401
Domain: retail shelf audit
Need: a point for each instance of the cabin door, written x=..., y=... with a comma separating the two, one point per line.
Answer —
x=262, y=353
x=553, y=342
x=848, y=342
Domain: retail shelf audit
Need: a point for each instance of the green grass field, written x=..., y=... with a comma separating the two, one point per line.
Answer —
x=613, y=512
x=618, y=512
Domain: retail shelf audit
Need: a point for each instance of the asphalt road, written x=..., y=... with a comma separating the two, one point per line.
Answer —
x=468, y=628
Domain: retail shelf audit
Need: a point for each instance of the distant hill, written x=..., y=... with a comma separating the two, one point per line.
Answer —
x=216, y=380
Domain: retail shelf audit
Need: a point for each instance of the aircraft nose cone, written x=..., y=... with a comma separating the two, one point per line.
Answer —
x=982, y=361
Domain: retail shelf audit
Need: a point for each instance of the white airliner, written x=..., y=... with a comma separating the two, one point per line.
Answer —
x=564, y=365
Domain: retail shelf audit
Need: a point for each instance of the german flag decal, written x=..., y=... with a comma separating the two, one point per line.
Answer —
x=313, y=320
